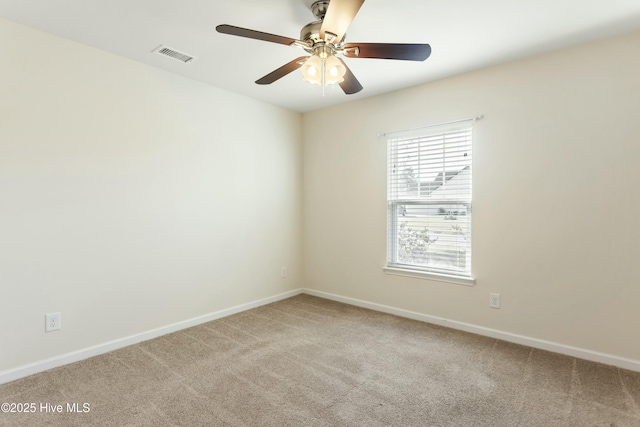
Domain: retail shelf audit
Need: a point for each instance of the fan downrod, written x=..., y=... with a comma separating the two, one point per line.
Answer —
x=319, y=9
x=310, y=33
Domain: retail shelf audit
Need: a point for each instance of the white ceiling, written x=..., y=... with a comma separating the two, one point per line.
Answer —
x=464, y=35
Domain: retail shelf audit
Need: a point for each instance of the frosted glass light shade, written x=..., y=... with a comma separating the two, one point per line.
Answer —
x=312, y=70
x=334, y=70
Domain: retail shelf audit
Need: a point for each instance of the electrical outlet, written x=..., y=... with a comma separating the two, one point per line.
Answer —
x=494, y=300
x=52, y=322
x=283, y=272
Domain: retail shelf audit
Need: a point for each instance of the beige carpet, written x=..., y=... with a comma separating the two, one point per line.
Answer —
x=307, y=361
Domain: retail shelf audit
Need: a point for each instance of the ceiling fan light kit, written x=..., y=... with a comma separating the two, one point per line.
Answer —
x=324, y=41
x=323, y=68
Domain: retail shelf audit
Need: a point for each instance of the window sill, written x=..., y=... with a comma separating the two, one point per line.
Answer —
x=458, y=280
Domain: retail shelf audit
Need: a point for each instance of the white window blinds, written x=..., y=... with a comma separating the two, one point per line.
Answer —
x=429, y=200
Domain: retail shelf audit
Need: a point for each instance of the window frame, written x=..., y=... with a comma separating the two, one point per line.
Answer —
x=432, y=272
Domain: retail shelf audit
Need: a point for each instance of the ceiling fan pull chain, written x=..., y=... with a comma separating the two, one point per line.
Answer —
x=324, y=68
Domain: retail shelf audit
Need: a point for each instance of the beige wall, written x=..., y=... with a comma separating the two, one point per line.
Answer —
x=132, y=198
x=556, y=203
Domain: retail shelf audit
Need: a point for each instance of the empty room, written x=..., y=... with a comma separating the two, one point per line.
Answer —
x=319, y=213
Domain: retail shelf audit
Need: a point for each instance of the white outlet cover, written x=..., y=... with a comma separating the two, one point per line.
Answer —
x=52, y=322
x=494, y=300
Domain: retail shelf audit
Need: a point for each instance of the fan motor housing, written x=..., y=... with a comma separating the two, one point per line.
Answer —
x=311, y=32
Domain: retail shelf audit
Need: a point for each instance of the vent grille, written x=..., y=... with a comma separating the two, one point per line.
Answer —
x=174, y=54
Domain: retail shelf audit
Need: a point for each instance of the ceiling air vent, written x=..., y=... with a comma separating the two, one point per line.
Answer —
x=172, y=53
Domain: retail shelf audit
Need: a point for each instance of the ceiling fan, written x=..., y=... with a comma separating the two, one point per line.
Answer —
x=324, y=40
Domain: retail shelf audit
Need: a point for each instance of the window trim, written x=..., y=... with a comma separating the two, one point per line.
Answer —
x=416, y=271
x=428, y=275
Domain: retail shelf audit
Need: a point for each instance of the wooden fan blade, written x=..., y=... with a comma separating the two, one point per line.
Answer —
x=406, y=51
x=282, y=71
x=253, y=34
x=339, y=16
x=350, y=84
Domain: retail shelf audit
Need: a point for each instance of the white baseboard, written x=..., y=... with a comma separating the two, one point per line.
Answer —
x=581, y=353
x=64, y=359
x=85, y=353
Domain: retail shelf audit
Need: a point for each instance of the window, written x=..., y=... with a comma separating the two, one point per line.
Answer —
x=429, y=202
